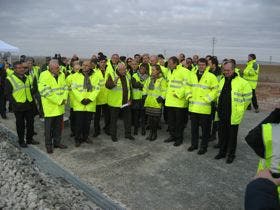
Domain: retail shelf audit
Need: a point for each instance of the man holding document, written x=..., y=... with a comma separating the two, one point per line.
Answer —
x=119, y=100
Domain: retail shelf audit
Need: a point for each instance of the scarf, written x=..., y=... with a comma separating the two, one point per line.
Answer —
x=87, y=83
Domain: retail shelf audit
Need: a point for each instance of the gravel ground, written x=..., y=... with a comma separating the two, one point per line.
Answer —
x=24, y=186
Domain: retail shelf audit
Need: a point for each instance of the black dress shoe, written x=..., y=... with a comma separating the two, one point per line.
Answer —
x=143, y=132
x=192, y=148
x=170, y=139
x=154, y=136
x=229, y=160
x=49, y=150
x=72, y=135
x=32, y=141
x=130, y=138
x=77, y=144
x=149, y=137
x=177, y=143
x=114, y=139
x=89, y=141
x=135, y=132
x=107, y=132
x=202, y=151
x=95, y=134
x=4, y=116
x=212, y=138
x=219, y=156
x=23, y=144
x=60, y=146
x=35, y=133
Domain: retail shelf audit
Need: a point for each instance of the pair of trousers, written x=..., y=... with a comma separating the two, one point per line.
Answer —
x=139, y=118
x=82, y=125
x=203, y=120
x=24, y=121
x=2, y=103
x=254, y=100
x=176, y=122
x=153, y=122
x=102, y=110
x=53, y=130
x=227, y=138
x=72, y=121
x=126, y=116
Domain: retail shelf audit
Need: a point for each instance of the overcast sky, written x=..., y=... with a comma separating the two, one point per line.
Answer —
x=137, y=26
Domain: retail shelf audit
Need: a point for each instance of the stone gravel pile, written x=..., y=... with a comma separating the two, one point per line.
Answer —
x=24, y=186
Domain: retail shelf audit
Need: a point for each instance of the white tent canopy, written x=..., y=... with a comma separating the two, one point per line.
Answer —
x=5, y=47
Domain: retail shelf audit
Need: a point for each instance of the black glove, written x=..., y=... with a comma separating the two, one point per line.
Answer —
x=85, y=101
x=160, y=100
x=144, y=97
x=141, y=87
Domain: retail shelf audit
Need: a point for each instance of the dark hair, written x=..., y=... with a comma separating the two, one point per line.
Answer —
x=136, y=55
x=202, y=60
x=158, y=67
x=253, y=56
x=174, y=59
x=123, y=58
x=94, y=61
x=214, y=61
x=189, y=58
x=161, y=56
x=22, y=58
x=16, y=63
x=146, y=66
x=102, y=58
x=208, y=56
x=233, y=61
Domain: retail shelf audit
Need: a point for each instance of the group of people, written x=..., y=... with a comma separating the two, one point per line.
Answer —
x=139, y=90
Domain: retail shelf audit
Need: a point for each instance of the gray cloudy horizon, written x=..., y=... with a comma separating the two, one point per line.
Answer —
x=133, y=26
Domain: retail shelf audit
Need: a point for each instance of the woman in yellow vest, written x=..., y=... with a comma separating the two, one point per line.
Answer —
x=154, y=93
x=138, y=111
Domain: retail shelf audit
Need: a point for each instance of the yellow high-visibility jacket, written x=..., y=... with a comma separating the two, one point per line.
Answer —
x=102, y=97
x=241, y=95
x=177, y=80
x=152, y=94
x=53, y=91
x=201, y=93
x=80, y=93
x=251, y=73
x=271, y=133
x=21, y=91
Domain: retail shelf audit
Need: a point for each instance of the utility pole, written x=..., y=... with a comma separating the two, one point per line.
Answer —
x=214, y=41
x=164, y=53
x=270, y=59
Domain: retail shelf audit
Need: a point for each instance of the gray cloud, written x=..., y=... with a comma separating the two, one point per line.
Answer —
x=128, y=27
